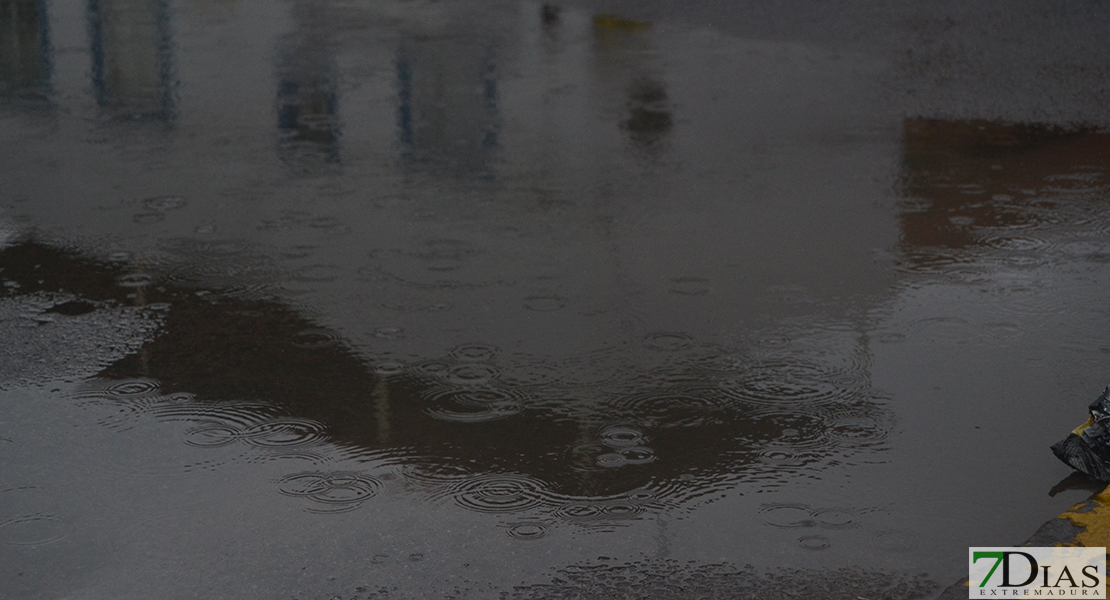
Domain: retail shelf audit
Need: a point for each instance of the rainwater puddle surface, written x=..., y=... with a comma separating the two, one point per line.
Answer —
x=412, y=300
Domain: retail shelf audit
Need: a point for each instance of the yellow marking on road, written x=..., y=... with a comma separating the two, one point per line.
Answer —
x=1095, y=522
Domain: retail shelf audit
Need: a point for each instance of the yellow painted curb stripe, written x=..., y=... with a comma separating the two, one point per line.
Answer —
x=1095, y=522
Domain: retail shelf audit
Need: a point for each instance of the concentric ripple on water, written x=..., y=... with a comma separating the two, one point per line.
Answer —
x=786, y=384
x=473, y=353
x=474, y=404
x=284, y=433
x=836, y=518
x=787, y=515
x=602, y=512
x=389, y=368
x=675, y=404
x=432, y=368
x=122, y=402
x=331, y=491
x=471, y=374
x=26, y=517
x=132, y=387
x=814, y=542
x=528, y=530
x=803, y=515
x=629, y=455
x=31, y=530
x=668, y=341
x=274, y=433
x=620, y=436
x=118, y=389
x=432, y=476
x=134, y=280
x=782, y=456
x=856, y=430
x=212, y=435
x=499, y=493
x=314, y=339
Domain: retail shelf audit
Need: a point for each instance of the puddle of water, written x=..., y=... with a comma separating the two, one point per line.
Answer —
x=376, y=295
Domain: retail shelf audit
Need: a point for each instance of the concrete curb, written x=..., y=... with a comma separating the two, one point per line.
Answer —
x=1085, y=524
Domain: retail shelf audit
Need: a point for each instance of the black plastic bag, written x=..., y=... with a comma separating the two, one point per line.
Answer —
x=1087, y=448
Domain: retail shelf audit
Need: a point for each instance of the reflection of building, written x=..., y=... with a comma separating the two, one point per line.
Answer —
x=307, y=96
x=447, y=116
x=24, y=49
x=762, y=422
x=963, y=176
x=131, y=57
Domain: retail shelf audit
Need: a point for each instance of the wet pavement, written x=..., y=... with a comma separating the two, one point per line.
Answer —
x=319, y=299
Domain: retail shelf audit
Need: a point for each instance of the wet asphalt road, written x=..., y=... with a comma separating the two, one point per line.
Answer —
x=495, y=299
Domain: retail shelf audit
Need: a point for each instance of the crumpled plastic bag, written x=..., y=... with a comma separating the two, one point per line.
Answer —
x=1087, y=448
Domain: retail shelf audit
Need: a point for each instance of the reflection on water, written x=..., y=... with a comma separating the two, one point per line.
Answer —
x=24, y=50
x=1017, y=214
x=308, y=94
x=623, y=52
x=590, y=444
x=648, y=120
x=411, y=291
x=132, y=51
x=979, y=185
x=447, y=113
x=605, y=578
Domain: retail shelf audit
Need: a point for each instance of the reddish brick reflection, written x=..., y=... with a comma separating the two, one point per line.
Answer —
x=960, y=177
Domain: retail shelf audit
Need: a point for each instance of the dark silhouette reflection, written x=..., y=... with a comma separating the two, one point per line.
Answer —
x=622, y=52
x=969, y=182
x=494, y=433
x=132, y=58
x=447, y=115
x=549, y=14
x=24, y=50
x=649, y=120
x=308, y=94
